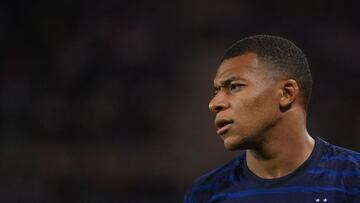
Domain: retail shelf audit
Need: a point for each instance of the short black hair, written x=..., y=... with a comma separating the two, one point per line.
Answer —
x=283, y=56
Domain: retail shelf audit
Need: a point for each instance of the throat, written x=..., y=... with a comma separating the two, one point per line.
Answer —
x=280, y=161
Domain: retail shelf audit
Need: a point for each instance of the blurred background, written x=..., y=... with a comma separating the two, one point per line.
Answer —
x=106, y=101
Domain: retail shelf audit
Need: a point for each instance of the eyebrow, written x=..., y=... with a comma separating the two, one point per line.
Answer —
x=227, y=81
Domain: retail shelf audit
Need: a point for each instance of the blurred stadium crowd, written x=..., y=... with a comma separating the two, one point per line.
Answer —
x=106, y=101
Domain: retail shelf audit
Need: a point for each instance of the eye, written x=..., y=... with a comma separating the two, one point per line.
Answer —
x=235, y=87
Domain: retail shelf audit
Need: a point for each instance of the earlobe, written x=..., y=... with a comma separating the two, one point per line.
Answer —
x=289, y=93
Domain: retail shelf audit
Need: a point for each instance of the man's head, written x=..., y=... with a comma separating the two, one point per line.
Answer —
x=282, y=57
x=260, y=79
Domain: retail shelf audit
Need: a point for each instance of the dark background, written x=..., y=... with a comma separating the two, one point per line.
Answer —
x=106, y=101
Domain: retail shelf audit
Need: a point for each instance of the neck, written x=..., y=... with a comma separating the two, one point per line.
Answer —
x=284, y=148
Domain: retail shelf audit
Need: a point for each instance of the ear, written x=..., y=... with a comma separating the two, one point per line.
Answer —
x=289, y=93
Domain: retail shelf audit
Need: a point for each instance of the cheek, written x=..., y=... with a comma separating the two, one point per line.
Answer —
x=265, y=101
x=256, y=109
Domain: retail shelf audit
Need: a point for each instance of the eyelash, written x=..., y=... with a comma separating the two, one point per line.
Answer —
x=231, y=88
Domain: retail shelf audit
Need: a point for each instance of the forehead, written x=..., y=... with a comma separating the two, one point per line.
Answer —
x=243, y=66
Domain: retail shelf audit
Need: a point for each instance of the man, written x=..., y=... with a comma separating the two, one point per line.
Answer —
x=262, y=89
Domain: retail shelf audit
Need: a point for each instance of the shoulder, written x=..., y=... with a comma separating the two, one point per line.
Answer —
x=218, y=173
x=339, y=165
x=339, y=155
x=202, y=187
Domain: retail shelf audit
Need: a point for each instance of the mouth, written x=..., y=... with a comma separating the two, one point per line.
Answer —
x=223, y=125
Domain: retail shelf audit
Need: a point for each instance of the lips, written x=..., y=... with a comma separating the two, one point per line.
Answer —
x=223, y=125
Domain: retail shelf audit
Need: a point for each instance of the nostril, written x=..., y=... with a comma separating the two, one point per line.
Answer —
x=218, y=108
x=217, y=105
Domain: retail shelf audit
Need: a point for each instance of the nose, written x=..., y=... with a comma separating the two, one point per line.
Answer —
x=218, y=103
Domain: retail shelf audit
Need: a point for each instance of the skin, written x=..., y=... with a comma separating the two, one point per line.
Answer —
x=267, y=116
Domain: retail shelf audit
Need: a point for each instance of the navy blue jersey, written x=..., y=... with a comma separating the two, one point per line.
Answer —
x=331, y=174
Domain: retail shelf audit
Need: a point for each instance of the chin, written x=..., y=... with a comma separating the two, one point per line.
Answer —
x=233, y=143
